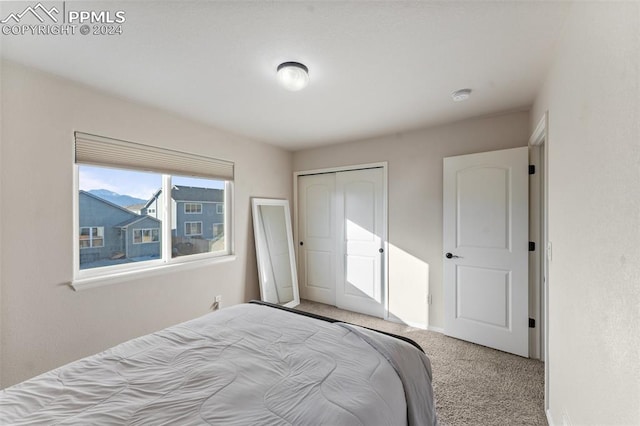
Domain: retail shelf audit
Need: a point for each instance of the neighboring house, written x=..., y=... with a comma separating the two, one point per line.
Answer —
x=154, y=206
x=136, y=208
x=109, y=232
x=196, y=212
x=143, y=237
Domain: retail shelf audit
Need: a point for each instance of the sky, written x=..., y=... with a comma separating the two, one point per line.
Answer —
x=136, y=184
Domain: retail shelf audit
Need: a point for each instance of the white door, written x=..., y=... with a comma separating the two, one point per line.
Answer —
x=317, y=238
x=341, y=239
x=359, y=210
x=485, y=221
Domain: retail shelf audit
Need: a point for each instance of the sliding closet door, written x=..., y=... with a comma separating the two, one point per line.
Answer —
x=317, y=238
x=359, y=212
x=341, y=239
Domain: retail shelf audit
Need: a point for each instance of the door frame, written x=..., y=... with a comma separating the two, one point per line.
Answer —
x=385, y=215
x=539, y=142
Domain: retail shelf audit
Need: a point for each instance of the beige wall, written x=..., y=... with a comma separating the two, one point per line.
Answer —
x=1, y=122
x=44, y=322
x=592, y=94
x=415, y=199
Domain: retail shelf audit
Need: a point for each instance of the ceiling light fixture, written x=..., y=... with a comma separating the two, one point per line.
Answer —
x=461, y=95
x=293, y=76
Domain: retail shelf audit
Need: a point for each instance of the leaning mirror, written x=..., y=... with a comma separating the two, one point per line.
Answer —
x=274, y=252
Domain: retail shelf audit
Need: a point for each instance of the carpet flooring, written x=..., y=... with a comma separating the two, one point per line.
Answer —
x=474, y=385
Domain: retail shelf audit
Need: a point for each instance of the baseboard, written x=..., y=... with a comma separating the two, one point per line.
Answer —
x=436, y=329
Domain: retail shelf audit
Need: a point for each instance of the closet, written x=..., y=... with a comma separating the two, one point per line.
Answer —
x=341, y=239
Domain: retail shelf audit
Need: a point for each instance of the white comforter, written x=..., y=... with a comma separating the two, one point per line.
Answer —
x=244, y=365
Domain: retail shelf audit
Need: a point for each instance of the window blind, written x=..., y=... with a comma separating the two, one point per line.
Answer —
x=103, y=151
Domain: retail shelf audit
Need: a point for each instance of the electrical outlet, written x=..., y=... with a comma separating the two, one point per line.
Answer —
x=216, y=303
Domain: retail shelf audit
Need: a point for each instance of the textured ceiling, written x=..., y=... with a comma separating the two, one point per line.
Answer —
x=375, y=67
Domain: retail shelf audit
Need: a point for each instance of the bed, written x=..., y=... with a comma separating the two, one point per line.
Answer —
x=249, y=364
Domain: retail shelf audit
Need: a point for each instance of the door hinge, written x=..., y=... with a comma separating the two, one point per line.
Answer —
x=532, y=323
x=532, y=169
x=532, y=246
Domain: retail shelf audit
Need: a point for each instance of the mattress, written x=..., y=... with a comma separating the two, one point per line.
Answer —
x=244, y=365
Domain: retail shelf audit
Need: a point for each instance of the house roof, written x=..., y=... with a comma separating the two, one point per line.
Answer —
x=138, y=206
x=190, y=193
x=153, y=197
x=109, y=203
x=134, y=220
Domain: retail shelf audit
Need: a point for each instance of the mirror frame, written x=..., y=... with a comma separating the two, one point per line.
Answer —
x=262, y=258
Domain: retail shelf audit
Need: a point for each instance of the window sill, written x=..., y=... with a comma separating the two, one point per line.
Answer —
x=118, y=277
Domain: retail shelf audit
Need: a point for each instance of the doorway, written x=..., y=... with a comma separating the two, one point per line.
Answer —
x=539, y=149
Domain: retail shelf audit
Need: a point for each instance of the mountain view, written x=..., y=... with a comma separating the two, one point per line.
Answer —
x=115, y=198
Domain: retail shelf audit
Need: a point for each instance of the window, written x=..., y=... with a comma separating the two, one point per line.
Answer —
x=142, y=236
x=91, y=236
x=113, y=175
x=198, y=196
x=192, y=228
x=219, y=208
x=192, y=208
x=103, y=196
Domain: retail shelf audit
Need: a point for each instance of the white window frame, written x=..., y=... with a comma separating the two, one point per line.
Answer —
x=90, y=239
x=96, y=277
x=188, y=224
x=219, y=208
x=142, y=235
x=192, y=204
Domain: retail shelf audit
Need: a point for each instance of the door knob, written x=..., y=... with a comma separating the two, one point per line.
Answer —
x=381, y=250
x=452, y=256
x=301, y=243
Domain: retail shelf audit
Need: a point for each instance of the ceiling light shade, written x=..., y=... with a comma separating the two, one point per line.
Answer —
x=461, y=95
x=293, y=76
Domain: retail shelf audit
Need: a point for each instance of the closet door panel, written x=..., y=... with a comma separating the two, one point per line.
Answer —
x=317, y=237
x=359, y=213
